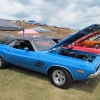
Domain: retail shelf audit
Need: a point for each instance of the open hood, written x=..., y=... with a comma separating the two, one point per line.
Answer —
x=81, y=33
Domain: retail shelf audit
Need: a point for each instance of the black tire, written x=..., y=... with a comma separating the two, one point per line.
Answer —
x=3, y=64
x=60, y=77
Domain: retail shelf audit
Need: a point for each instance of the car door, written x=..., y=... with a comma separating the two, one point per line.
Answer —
x=24, y=58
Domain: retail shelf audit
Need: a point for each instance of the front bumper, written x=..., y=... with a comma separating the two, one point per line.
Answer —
x=95, y=74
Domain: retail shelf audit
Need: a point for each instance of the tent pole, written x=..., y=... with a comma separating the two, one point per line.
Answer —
x=23, y=32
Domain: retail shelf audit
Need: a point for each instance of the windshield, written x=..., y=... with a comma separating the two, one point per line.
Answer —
x=97, y=38
x=92, y=38
x=43, y=44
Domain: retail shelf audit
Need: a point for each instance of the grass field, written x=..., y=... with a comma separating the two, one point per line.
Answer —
x=20, y=84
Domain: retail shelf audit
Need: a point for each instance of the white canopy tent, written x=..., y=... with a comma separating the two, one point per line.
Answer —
x=40, y=29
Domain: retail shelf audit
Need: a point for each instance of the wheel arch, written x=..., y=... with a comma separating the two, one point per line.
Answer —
x=2, y=57
x=3, y=64
x=60, y=67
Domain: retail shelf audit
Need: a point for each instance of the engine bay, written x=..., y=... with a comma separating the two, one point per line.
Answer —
x=75, y=54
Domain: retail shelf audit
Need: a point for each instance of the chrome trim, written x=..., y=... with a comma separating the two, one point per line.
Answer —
x=97, y=67
x=95, y=74
x=34, y=47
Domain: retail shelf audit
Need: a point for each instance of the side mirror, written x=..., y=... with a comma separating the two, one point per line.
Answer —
x=26, y=49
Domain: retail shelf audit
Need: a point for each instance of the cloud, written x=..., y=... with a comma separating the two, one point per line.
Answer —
x=66, y=13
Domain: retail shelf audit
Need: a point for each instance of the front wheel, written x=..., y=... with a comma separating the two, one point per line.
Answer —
x=60, y=77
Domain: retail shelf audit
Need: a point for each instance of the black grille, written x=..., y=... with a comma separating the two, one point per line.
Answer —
x=40, y=64
x=91, y=58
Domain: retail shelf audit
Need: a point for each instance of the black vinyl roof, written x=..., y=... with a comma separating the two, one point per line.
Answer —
x=10, y=39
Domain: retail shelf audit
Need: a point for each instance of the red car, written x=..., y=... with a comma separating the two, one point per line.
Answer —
x=92, y=50
x=90, y=40
x=78, y=45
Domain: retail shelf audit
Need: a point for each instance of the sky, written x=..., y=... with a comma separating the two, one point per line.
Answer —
x=74, y=14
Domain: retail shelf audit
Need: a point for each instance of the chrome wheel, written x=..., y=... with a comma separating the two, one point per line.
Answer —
x=59, y=77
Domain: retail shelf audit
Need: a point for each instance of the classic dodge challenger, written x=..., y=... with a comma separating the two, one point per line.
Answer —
x=62, y=65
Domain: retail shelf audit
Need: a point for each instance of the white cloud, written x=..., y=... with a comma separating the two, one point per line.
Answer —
x=66, y=13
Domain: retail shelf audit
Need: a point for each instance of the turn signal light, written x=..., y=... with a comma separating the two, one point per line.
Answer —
x=80, y=71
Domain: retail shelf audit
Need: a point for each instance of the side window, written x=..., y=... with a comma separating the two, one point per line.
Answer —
x=17, y=44
x=12, y=43
x=29, y=45
x=21, y=44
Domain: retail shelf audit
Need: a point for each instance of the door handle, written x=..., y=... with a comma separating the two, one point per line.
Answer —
x=11, y=51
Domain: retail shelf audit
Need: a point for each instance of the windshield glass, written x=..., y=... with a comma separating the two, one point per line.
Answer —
x=92, y=38
x=43, y=44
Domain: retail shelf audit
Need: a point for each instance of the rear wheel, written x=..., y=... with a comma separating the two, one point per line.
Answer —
x=60, y=77
x=2, y=63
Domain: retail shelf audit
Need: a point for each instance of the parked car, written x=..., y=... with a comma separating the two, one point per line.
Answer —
x=80, y=48
x=88, y=43
x=91, y=40
x=62, y=65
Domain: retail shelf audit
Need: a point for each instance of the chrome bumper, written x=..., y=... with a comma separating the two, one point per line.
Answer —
x=95, y=74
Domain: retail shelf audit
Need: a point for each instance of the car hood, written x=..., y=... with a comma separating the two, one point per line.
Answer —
x=81, y=33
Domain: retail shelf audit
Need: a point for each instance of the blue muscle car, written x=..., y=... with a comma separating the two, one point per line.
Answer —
x=62, y=65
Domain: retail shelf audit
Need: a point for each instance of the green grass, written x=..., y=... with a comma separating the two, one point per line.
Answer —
x=20, y=84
